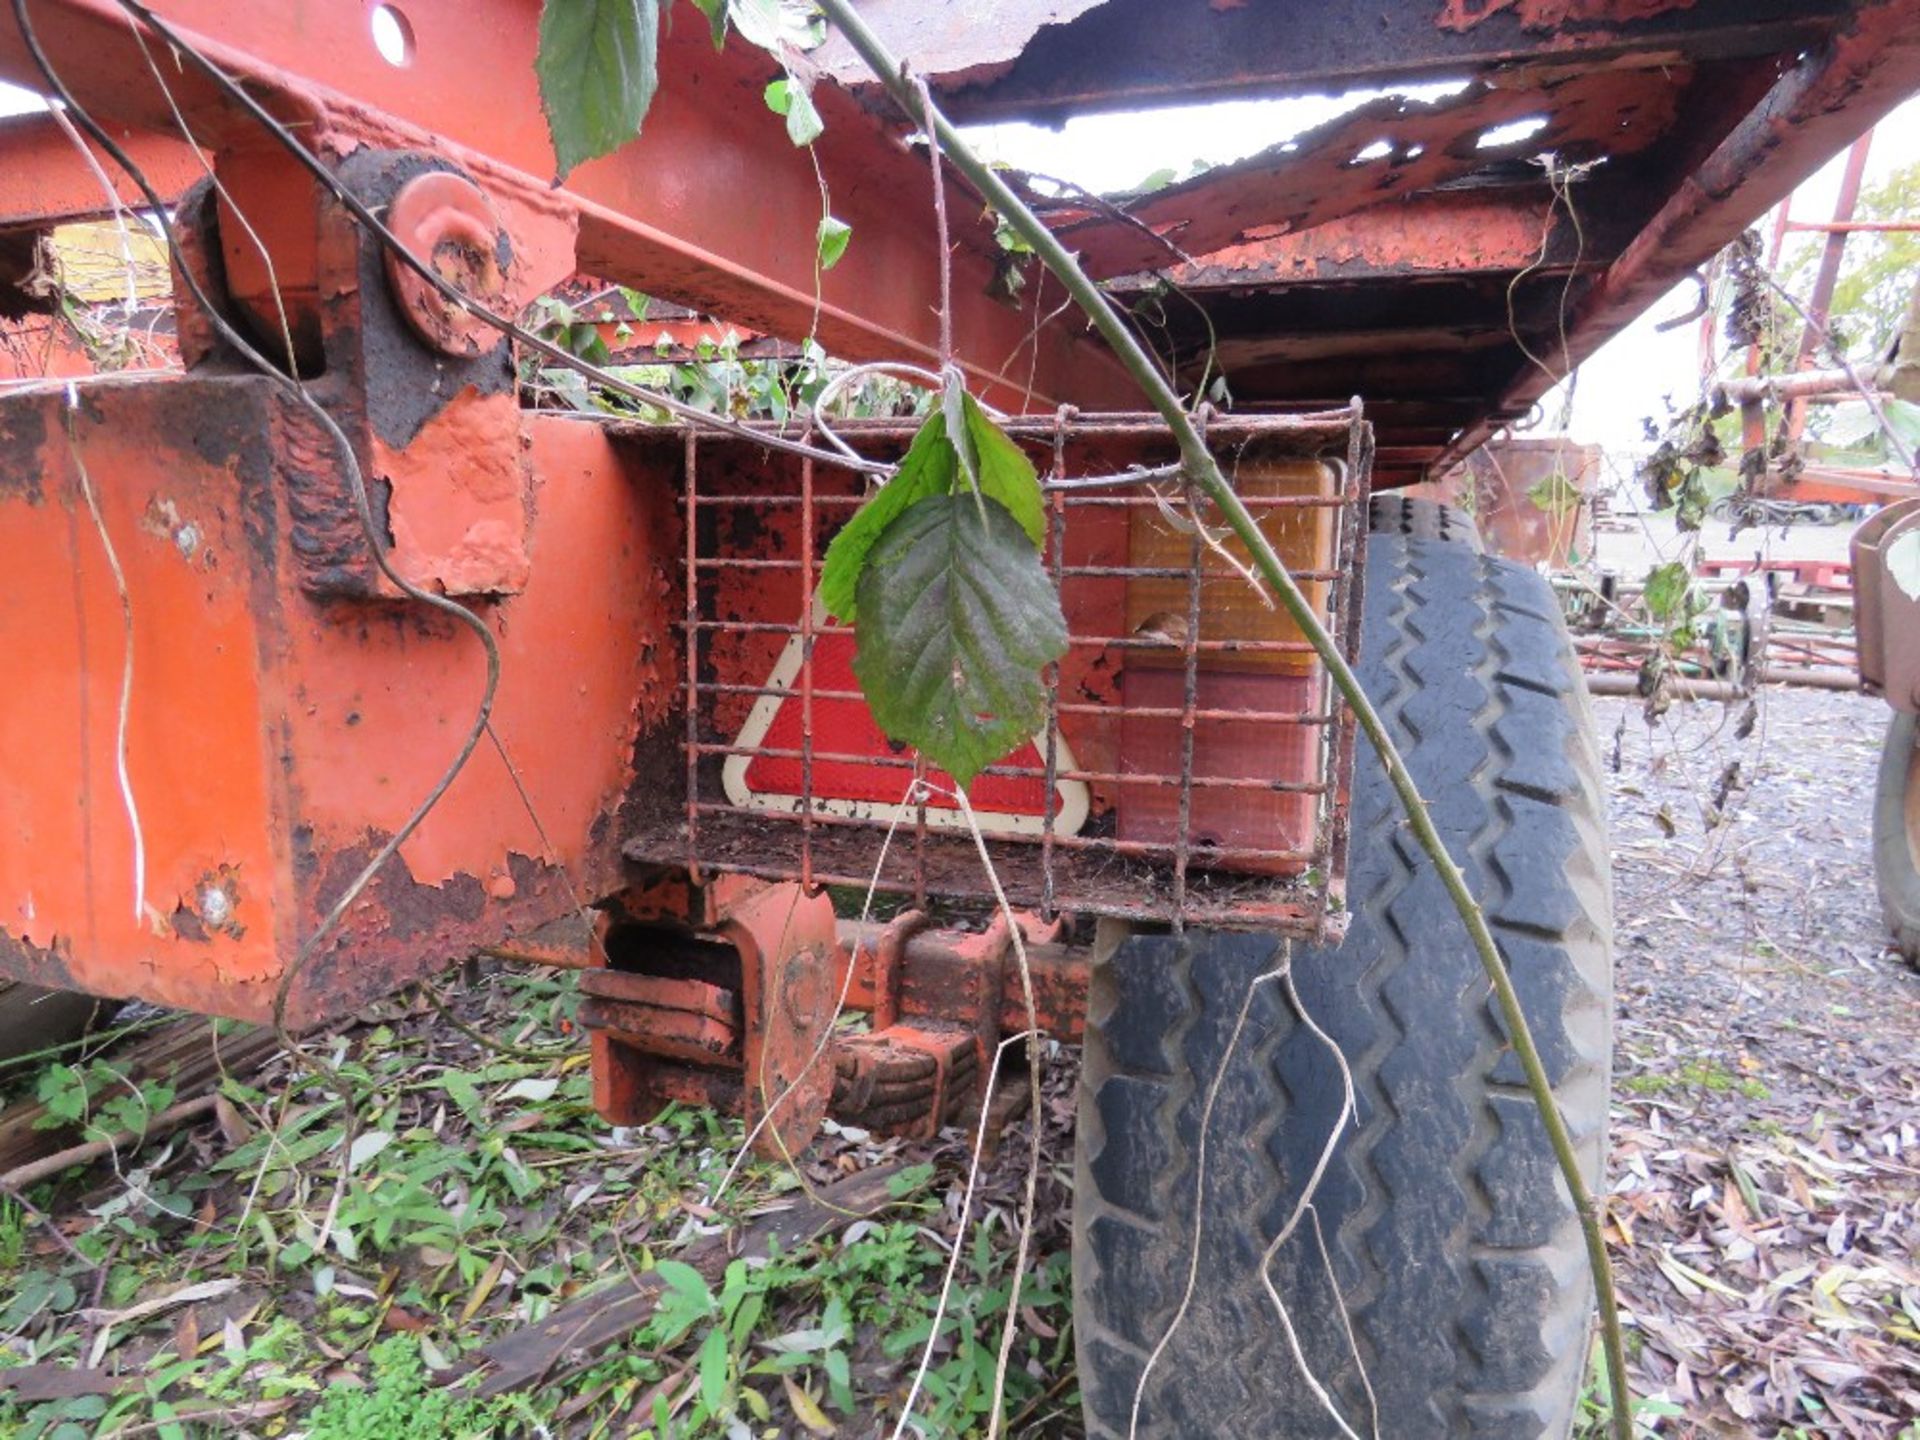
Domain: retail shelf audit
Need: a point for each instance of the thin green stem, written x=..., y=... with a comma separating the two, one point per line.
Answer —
x=1204, y=471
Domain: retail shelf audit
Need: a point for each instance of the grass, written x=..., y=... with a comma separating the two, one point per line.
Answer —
x=471, y=1196
x=1593, y=1415
x=1698, y=1075
x=13, y=1236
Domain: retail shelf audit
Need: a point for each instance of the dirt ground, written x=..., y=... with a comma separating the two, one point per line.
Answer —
x=1766, y=1141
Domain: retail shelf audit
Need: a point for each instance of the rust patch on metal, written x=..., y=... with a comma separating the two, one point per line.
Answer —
x=787, y=944
x=1319, y=176
x=677, y=1019
x=45, y=965
x=211, y=908
x=1539, y=15
x=23, y=440
x=905, y=1079
x=399, y=929
x=323, y=527
x=445, y=220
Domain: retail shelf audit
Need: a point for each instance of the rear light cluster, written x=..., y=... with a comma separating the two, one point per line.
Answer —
x=1195, y=761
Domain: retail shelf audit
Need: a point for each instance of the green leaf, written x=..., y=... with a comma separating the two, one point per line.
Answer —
x=716, y=13
x=1006, y=474
x=713, y=1370
x=1555, y=496
x=837, y=1369
x=832, y=237
x=63, y=1090
x=928, y=468
x=686, y=1282
x=787, y=97
x=1666, y=589
x=903, y=1183
x=956, y=616
x=598, y=65
x=953, y=404
x=462, y=1091
x=932, y=467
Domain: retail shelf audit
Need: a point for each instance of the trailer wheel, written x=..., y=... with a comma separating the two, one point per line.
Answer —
x=33, y=1018
x=1896, y=836
x=1455, y=1249
x=1395, y=514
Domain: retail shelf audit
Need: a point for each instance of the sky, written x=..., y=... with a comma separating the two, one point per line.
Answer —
x=1631, y=377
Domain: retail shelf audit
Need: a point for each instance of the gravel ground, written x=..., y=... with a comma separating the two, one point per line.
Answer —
x=1766, y=1165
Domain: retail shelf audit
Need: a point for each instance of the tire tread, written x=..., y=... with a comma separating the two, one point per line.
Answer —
x=1461, y=1263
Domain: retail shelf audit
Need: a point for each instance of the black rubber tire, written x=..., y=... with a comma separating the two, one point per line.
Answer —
x=1391, y=513
x=1896, y=872
x=32, y=1018
x=1454, y=1243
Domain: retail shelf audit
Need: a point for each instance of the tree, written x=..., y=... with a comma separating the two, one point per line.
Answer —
x=1878, y=271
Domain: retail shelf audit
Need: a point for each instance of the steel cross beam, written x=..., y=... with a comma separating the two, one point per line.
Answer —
x=43, y=182
x=1045, y=60
x=710, y=206
x=1449, y=233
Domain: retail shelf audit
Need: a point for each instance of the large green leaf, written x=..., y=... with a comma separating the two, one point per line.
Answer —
x=1006, y=474
x=598, y=65
x=956, y=617
x=932, y=466
x=928, y=468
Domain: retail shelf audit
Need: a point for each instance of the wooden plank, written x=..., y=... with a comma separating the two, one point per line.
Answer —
x=185, y=1053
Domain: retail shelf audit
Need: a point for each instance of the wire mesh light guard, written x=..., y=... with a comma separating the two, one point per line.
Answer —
x=1194, y=764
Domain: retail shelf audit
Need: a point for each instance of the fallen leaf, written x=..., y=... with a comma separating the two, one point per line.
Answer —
x=483, y=1288
x=809, y=1412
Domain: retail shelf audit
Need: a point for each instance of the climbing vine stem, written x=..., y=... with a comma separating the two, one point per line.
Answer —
x=1204, y=472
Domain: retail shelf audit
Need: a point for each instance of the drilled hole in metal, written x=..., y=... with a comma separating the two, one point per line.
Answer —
x=392, y=35
x=1498, y=137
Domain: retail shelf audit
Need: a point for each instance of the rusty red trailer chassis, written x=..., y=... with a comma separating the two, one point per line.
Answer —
x=194, y=603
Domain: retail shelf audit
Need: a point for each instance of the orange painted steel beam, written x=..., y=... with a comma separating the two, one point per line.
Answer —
x=275, y=739
x=1449, y=233
x=44, y=181
x=709, y=206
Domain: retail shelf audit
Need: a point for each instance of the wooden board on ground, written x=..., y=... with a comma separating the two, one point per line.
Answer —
x=574, y=1333
x=188, y=1053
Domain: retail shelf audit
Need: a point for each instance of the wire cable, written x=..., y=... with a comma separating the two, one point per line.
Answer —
x=453, y=294
x=362, y=213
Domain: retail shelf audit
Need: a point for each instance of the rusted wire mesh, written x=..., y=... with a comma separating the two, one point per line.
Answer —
x=1194, y=762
